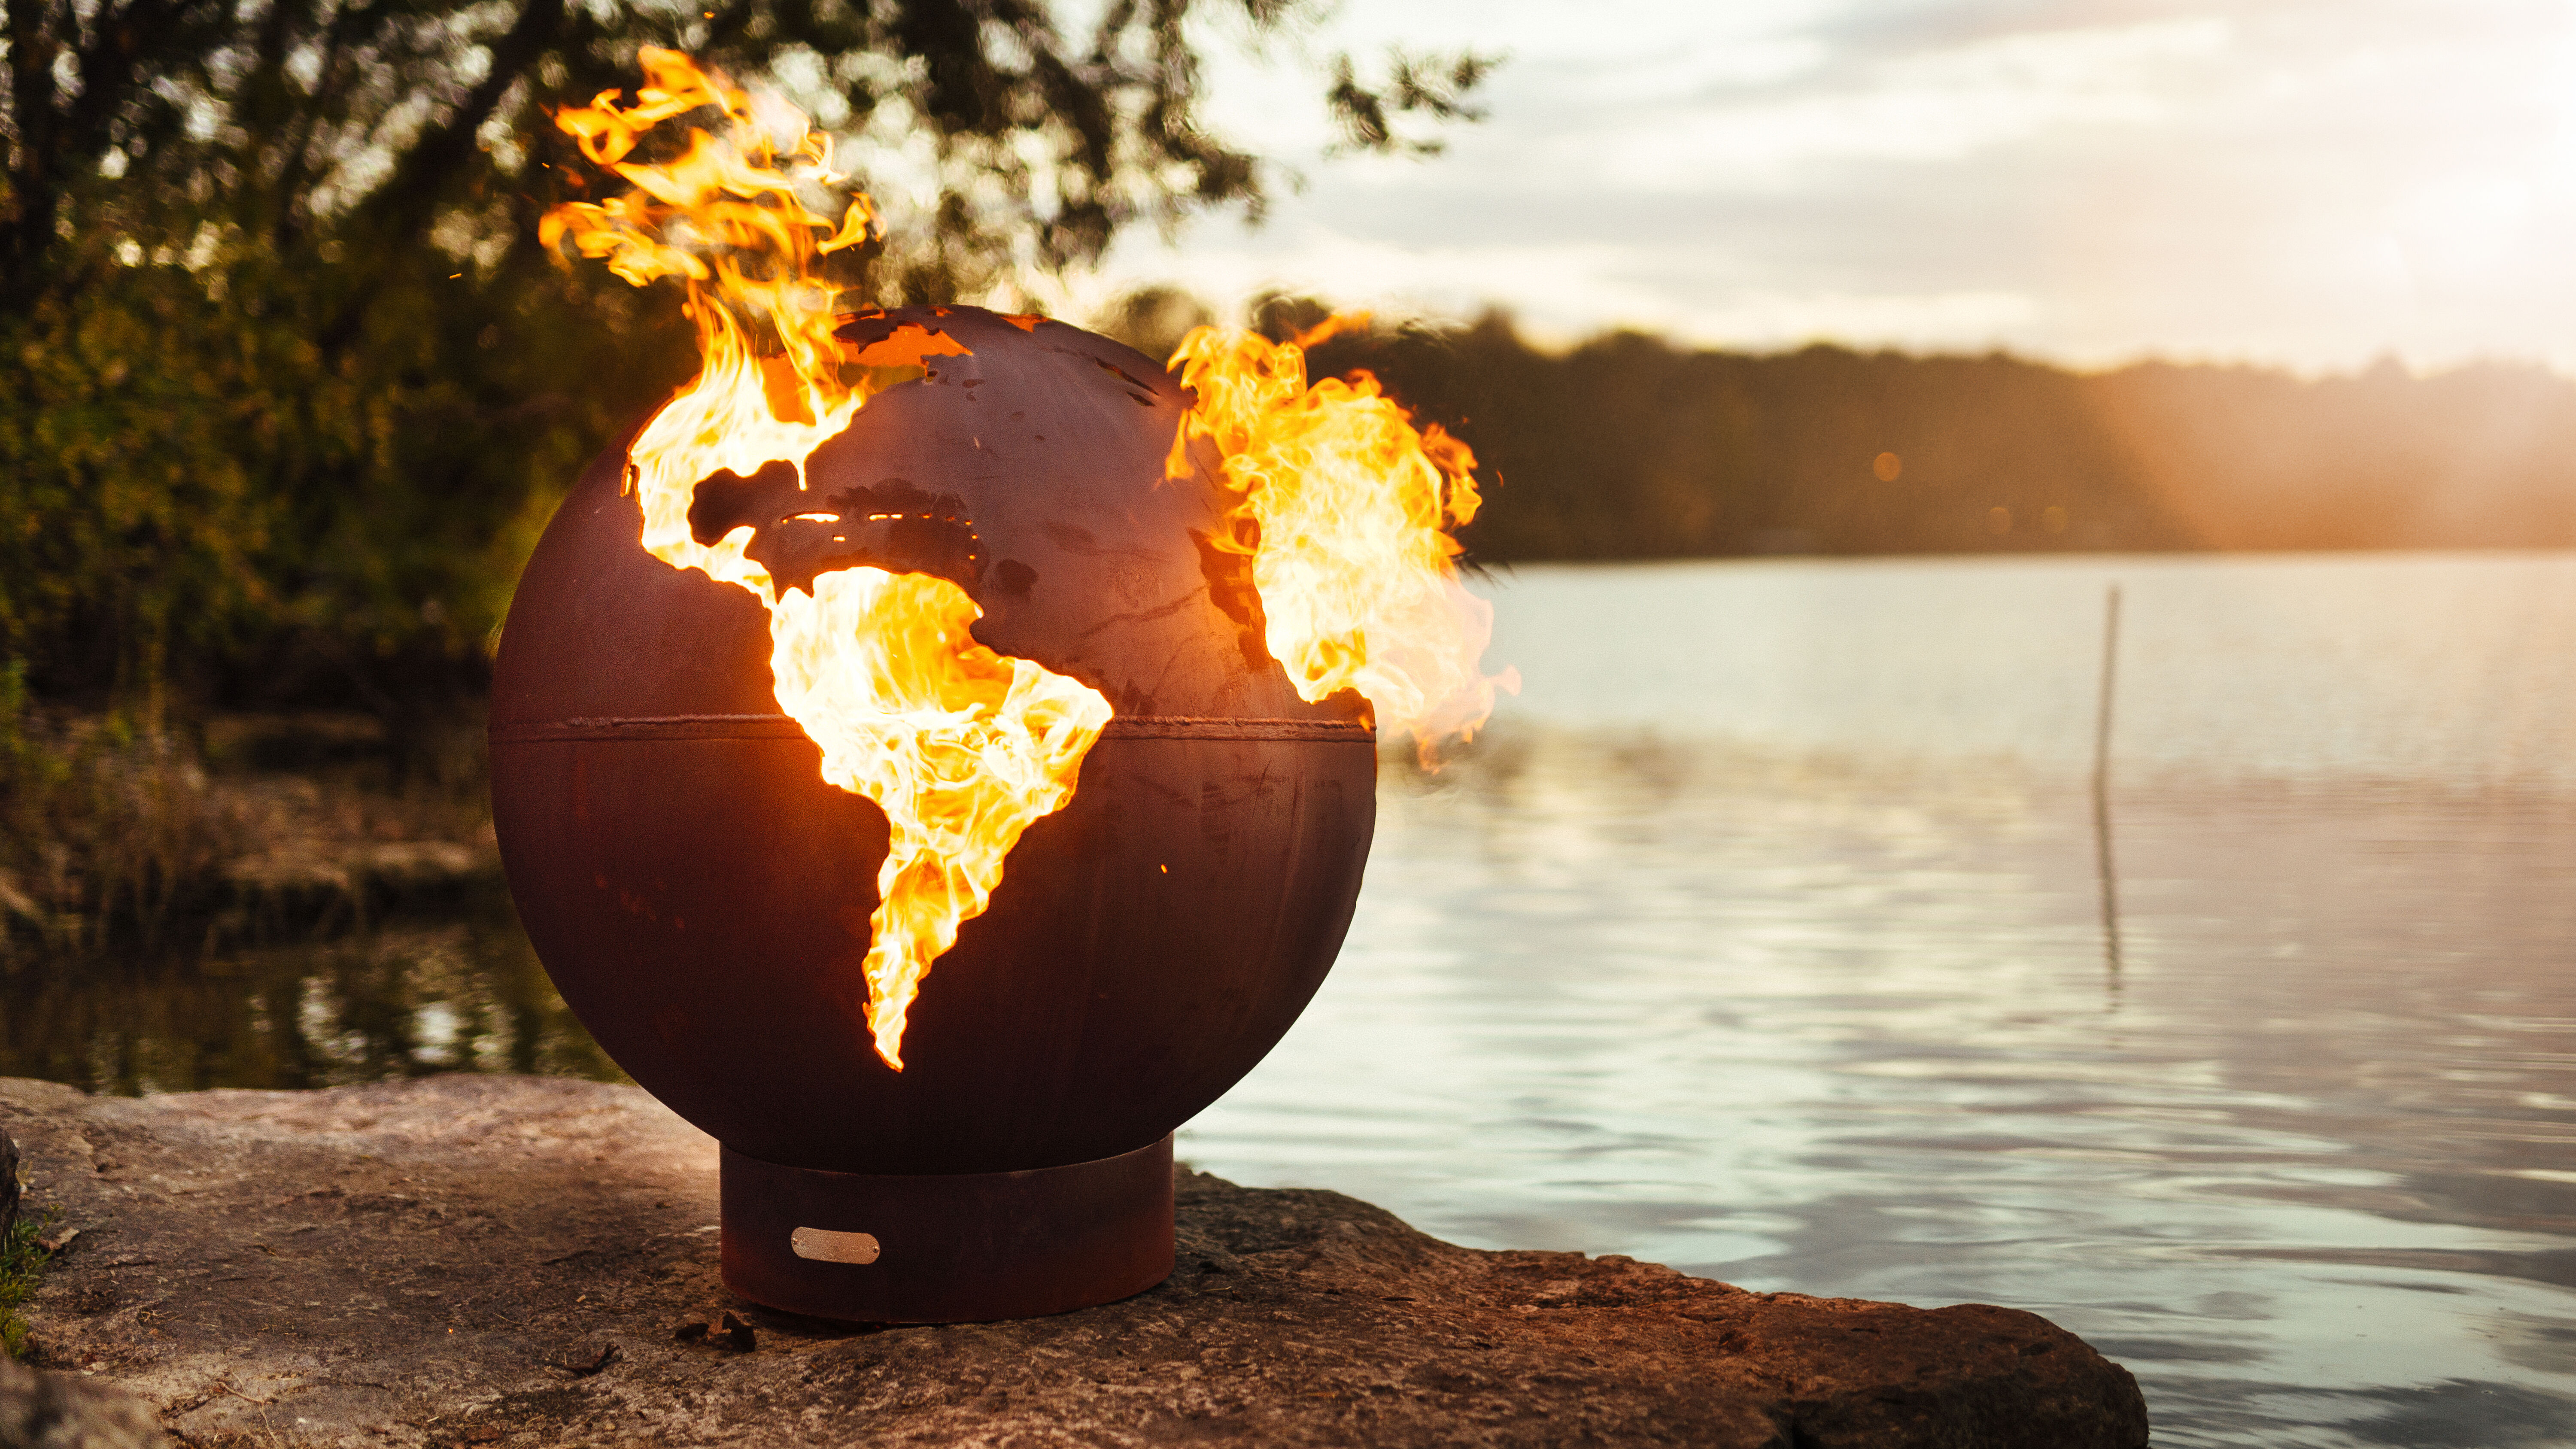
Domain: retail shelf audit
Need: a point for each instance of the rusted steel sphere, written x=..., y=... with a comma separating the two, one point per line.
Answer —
x=701, y=896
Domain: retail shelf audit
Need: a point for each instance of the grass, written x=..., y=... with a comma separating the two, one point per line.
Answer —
x=100, y=820
x=22, y=1261
x=115, y=833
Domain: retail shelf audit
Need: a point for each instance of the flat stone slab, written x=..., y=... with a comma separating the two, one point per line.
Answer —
x=468, y=1260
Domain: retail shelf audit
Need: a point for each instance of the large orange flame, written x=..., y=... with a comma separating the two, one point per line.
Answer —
x=961, y=747
x=1345, y=509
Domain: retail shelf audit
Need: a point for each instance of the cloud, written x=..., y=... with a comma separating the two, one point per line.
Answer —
x=1945, y=105
x=2282, y=180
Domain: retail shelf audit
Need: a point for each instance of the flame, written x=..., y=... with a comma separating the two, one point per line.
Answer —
x=959, y=746
x=1345, y=509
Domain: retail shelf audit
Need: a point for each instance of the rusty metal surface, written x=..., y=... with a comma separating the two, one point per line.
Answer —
x=949, y=1248
x=1090, y=563
x=701, y=896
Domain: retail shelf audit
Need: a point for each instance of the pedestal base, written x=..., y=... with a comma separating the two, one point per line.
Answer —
x=959, y=1248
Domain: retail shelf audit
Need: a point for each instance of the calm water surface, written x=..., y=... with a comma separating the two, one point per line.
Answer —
x=1767, y=939
x=1764, y=936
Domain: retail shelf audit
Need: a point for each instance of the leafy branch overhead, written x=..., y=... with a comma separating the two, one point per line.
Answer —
x=376, y=121
x=1432, y=86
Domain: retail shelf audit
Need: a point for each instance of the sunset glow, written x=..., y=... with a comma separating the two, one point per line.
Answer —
x=2273, y=181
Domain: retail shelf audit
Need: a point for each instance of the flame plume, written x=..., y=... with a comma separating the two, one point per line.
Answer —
x=1345, y=509
x=959, y=746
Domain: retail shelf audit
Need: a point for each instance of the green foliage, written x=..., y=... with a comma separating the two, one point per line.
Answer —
x=22, y=1262
x=295, y=121
x=100, y=822
x=193, y=487
x=1629, y=447
x=287, y=386
x=1153, y=320
x=124, y=515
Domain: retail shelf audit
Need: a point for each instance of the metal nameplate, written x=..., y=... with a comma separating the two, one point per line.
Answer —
x=825, y=1246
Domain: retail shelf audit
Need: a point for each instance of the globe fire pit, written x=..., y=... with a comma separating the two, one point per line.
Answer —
x=702, y=896
x=934, y=636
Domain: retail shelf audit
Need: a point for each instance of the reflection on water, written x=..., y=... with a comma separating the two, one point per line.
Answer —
x=1764, y=939
x=1842, y=1020
x=405, y=999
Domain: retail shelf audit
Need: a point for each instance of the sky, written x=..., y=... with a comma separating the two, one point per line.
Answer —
x=2308, y=183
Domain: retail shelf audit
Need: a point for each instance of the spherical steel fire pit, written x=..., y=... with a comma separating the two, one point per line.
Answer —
x=701, y=896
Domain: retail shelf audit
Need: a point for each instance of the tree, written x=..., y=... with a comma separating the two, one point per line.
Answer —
x=380, y=119
x=284, y=375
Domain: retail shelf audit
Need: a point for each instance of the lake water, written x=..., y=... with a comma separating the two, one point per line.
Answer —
x=1764, y=936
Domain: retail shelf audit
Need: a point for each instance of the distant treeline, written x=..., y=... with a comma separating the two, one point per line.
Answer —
x=1630, y=447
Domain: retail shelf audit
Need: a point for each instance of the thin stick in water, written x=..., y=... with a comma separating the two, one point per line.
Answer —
x=2102, y=783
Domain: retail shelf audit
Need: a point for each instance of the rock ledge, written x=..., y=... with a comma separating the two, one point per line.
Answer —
x=491, y=1260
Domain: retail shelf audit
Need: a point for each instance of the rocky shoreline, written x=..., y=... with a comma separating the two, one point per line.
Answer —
x=470, y=1260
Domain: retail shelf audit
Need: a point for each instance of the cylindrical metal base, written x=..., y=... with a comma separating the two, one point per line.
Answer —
x=954, y=1248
